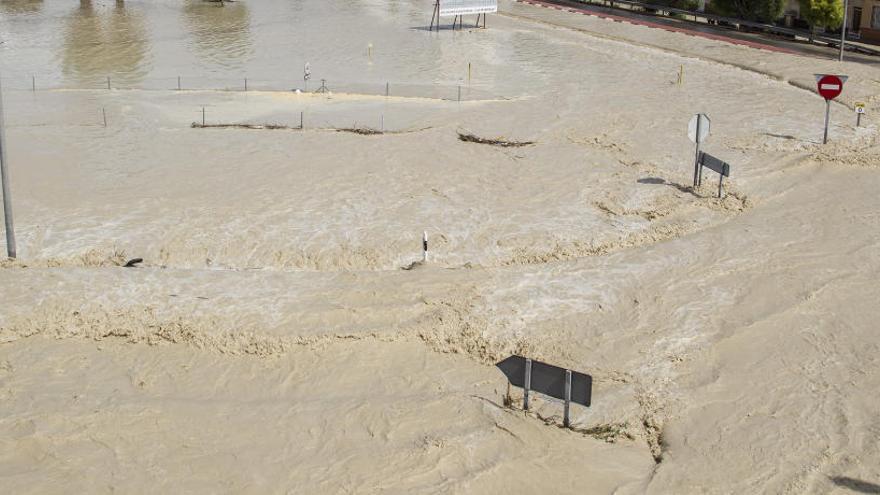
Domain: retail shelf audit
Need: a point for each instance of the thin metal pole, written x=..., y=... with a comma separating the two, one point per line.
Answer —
x=565, y=419
x=4, y=178
x=700, y=175
x=387, y=89
x=108, y=82
x=827, y=116
x=104, y=113
x=843, y=30
x=245, y=84
x=382, y=124
x=528, y=385
x=720, y=181
x=697, y=153
x=178, y=83
x=858, y=119
x=301, y=121
x=203, y=116
x=34, y=84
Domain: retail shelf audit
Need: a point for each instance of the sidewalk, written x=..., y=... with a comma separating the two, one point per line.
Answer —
x=754, y=40
x=782, y=60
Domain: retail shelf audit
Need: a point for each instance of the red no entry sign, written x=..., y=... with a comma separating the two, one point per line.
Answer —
x=830, y=86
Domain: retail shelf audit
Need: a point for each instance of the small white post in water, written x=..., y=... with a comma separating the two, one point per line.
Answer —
x=425, y=247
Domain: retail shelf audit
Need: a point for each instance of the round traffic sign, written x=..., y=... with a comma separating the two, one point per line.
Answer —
x=830, y=86
x=699, y=121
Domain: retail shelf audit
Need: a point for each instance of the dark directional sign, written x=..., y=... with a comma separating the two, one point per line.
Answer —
x=548, y=379
x=712, y=163
x=715, y=164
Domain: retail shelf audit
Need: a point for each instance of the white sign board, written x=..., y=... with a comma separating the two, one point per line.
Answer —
x=704, y=122
x=465, y=7
x=860, y=108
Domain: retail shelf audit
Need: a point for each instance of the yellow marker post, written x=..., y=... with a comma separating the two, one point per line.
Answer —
x=860, y=110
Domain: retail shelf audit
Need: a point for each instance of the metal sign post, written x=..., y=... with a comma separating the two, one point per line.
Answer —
x=829, y=87
x=560, y=383
x=860, y=110
x=566, y=421
x=698, y=131
x=827, y=118
x=843, y=30
x=4, y=178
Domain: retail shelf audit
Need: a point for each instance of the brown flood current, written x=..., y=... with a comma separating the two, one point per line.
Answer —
x=270, y=341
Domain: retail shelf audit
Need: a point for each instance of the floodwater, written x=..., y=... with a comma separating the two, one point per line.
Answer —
x=148, y=44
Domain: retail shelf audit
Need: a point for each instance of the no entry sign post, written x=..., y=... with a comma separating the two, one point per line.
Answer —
x=829, y=86
x=698, y=131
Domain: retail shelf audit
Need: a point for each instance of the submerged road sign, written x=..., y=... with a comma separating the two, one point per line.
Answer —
x=712, y=163
x=459, y=8
x=860, y=110
x=829, y=86
x=464, y=7
x=698, y=127
x=547, y=379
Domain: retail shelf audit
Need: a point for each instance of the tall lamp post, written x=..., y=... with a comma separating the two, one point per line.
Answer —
x=4, y=178
x=843, y=29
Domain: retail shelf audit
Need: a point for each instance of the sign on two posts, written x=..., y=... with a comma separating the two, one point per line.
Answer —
x=567, y=385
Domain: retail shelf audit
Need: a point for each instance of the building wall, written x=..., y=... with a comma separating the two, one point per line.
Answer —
x=870, y=25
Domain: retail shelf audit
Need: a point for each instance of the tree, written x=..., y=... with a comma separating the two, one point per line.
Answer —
x=750, y=10
x=822, y=13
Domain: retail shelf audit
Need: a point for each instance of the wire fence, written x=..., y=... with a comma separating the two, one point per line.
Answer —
x=449, y=91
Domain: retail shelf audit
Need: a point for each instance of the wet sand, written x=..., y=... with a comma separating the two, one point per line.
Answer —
x=271, y=342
